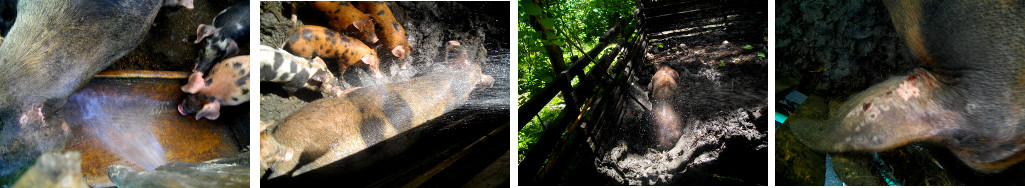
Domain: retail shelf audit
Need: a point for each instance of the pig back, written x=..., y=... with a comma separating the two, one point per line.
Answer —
x=55, y=46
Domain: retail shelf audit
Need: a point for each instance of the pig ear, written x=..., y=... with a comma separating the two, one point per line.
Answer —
x=399, y=52
x=203, y=31
x=210, y=111
x=231, y=49
x=361, y=24
x=369, y=59
x=195, y=83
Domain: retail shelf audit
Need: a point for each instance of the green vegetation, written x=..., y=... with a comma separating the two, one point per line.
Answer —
x=575, y=24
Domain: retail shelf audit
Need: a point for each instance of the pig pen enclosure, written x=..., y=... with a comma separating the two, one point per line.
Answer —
x=127, y=115
x=604, y=135
x=467, y=146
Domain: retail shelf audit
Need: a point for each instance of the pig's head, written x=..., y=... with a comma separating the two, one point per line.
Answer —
x=214, y=50
x=202, y=105
x=371, y=60
x=197, y=102
x=402, y=51
x=366, y=28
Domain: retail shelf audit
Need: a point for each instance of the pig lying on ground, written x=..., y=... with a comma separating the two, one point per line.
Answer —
x=228, y=84
x=330, y=129
x=53, y=49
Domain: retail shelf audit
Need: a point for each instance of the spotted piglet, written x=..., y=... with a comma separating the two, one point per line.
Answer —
x=219, y=39
x=228, y=84
x=342, y=16
x=294, y=72
x=388, y=28
x=315, y=41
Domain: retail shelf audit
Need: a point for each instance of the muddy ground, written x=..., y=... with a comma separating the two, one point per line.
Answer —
x=721, y=101
x=478, y=26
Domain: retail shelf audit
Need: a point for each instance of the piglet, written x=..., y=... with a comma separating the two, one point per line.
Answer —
x=219, y=39
x=315, y=41
x=342, y=16
x=277, y=65
x=388, y=28
x=228, y=84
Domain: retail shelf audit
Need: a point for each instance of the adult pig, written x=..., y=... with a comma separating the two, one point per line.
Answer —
x=330, y=129
x=219, y=39
x=663, y=89
x=53, y=48
x=228, y=85
x=968, y=95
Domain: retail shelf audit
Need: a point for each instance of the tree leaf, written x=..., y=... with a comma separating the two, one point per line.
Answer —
x=530, y=8
x=547, y=23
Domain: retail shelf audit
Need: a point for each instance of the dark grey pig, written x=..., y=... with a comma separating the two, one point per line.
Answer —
x=53, y=49
x=219, y=39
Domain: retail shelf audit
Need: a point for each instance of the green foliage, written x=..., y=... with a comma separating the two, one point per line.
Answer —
x=761, y=55
x=748, y=47
x=583, y=21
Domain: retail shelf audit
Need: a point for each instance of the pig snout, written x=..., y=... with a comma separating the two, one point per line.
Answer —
x=181, y=110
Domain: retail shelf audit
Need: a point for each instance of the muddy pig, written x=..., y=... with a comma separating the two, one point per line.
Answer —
x=53, y=49
x=228, y=84
x=968, y=95
x=219, y=39
x=342, y=16
x=387, y=28
x=277, y=65
x=330, y=129
x=314, y=41
x=663, y=88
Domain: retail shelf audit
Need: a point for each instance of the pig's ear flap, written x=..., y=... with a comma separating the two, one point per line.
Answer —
x=210, y=111
x=203, y=31
x=231, y=49
x=196, y=83
x=399, y=51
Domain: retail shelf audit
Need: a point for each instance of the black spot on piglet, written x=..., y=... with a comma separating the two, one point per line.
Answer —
x=242, y=81
x=307, y=34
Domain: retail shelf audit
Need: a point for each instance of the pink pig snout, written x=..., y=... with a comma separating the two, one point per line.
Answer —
x=180, y=110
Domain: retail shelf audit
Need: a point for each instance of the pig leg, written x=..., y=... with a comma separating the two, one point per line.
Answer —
x=887, y=115
x=210, y=111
